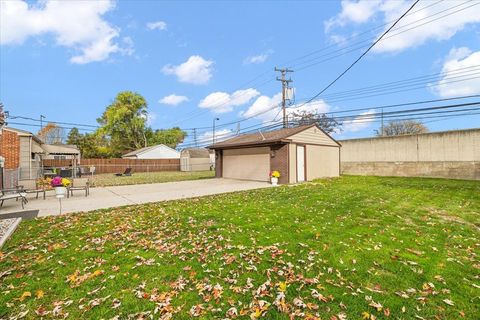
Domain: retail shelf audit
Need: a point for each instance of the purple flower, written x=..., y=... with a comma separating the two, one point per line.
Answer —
x=57, y=181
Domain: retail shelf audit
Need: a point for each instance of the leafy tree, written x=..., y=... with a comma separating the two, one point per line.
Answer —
x=51, y=134
x=74, y=137
x=170, y=137
x=91, y=145
x=402, y=127
x=327, y=124
x=124, y=122
x=122, y=129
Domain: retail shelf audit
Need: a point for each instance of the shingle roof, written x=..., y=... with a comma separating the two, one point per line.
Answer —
x=196, y=152
x=138, y=151
x=60, y=149
x=261, y=138
x=144, y=149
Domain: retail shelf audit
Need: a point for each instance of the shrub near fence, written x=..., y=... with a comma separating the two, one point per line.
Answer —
x=119, y=165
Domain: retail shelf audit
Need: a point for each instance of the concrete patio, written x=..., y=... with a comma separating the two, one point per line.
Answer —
x=108, y=197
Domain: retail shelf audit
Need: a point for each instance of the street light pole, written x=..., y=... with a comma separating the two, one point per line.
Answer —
x=213, y=136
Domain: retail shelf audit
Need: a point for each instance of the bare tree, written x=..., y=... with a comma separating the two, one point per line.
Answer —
x=2, y=116
x=325, y=122
x=51, y=134
x=402, y=127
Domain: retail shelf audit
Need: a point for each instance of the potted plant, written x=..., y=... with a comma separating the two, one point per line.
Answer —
x=274, y=175
x=60, y=185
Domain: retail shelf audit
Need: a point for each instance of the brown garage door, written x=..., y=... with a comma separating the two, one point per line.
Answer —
x=247, y=163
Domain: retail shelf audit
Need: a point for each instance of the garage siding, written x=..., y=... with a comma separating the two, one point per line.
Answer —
x=314, y=136
x=322, y=162
x=293, y=163
x=247, y=163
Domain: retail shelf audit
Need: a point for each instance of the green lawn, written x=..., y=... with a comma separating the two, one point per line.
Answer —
x=109, y=179
x=353, y=247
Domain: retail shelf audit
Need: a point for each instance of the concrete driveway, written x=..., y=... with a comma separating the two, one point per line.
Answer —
x=108, y=197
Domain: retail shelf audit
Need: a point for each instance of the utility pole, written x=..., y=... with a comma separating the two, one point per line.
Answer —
x=195, y=137
x=41, y=121
x=382, y=130
x=285, y=82
x=213, y=136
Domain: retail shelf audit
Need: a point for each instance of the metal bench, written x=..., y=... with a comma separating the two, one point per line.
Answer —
x=13, y=193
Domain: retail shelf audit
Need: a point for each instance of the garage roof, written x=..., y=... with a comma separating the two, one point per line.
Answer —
x=262, y=138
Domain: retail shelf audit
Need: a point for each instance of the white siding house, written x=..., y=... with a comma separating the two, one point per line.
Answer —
x=159, y=151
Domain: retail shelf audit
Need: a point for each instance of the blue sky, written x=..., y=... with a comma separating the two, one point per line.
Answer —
x=197, y=60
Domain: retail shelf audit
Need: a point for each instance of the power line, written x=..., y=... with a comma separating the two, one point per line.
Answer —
x=198, y=113
x=348, y=99
x=348, y=68
x=419, y=113
x=362, y=44
x=39, y=125
x=396, y=29
x=362, y=55
x=465, y=71
x=54, y=122
x=405, y=104
x=357, y=35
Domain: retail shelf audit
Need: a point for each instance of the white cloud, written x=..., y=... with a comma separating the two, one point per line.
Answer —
x=461, y=59
x=264, y=108
x=257, y=59
x=74, y=24
x=441, y=26
x=362, y=121
x=220, y=135
x=173, y=100
x=220, y=102
x=353, y=11
x=268, y=108
x=157, y=25
x=196, y=70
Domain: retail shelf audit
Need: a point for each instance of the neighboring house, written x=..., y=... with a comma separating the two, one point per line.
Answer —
x=196, y=159
x=159, y=151
x=300, y=154
x=23, y=153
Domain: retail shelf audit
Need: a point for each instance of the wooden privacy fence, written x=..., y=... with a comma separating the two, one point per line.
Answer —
x=119, y=165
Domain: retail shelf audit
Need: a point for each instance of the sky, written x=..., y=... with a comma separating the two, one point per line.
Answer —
x=195, y=61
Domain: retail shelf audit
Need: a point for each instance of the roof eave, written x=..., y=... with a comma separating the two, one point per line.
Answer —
x=249, y=144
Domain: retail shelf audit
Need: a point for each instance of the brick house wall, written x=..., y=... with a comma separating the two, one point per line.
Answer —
x=10, y=149
x=279, y=161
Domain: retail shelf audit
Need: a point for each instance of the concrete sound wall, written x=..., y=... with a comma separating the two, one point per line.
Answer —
x=448, y=154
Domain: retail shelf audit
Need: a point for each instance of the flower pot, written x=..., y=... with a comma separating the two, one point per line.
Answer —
x=60, y=192
x=274, y=181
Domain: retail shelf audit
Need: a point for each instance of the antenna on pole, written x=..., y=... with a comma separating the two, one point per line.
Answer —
x=41, y=121
x=285, y=87
x=195, y=137
x=383, y=128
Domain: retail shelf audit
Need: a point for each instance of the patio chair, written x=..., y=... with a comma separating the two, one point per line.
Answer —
x=66, y=173
x=31, y=186
x=13, y=193
x=80, y=184
x=127, y=173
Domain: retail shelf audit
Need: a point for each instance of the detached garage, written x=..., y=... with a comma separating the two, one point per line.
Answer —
x=300, y=154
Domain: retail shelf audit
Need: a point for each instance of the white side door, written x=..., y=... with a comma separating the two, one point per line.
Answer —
x=300, y=163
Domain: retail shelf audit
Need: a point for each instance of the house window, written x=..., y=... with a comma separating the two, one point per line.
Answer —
x=59, y=157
